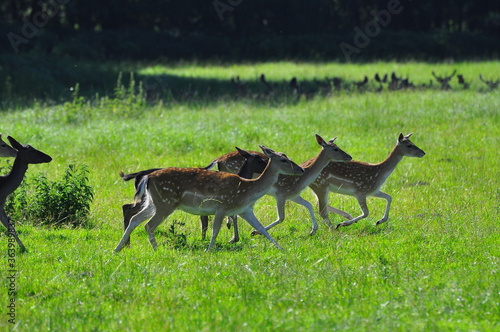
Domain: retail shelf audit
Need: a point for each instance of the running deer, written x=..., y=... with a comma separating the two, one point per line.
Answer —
x=25, y=155
x=253, y=165
x=6, y=150
x=204, y=192
x=361, y=180
x=253, y=162
x=290, y=187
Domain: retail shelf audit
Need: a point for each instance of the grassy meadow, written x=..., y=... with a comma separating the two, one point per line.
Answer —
x=434, y=266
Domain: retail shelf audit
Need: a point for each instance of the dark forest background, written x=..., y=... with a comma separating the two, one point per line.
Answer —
x=42, y=40
x=249, y=29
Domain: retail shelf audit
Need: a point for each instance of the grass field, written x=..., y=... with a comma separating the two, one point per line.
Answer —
x=434, y=266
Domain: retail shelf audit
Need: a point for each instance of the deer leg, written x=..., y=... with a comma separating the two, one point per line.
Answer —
x=215, y=229
x=129, y=210
x=280, y=208
x=339, y=212
x=308, y=206
x=254, y=222
x=160, y=215
x=388, y=198
x=10, y=228
x=323, y=206
x=146, y=212
x=364, y=209
x=236, y=234
x=204, y=226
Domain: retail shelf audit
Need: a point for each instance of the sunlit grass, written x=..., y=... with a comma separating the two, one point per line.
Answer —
x=417, y=72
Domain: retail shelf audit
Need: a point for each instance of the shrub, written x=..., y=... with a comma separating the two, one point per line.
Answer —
x=60, y=203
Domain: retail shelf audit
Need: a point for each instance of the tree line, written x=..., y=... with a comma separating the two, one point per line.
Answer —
x=250, y=17
x=348, y=30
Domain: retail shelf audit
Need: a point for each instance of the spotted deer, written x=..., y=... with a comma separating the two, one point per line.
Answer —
x=25, y=155
x=205, y=192
x=251, y=164
x=361, y=180
x=290, y=188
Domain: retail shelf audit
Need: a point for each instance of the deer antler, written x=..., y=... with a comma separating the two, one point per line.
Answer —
x=492, y=85
x=444, y=81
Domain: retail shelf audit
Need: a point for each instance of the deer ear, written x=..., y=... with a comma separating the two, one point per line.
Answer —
x=267, y=151
x=408, y=136
x=243, y=153
x=15, y=144
x=320, y=140
x=400, y=138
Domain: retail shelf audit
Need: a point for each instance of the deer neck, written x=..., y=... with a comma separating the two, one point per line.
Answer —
x=313, y=170
x=390, y=163
x=261, y=185
x=11, y=181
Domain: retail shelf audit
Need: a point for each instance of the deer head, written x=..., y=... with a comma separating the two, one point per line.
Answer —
x=29, y=154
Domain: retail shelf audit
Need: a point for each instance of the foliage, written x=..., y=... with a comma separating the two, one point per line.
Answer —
x=177, y=239
x=239, y=18
x=66, y=202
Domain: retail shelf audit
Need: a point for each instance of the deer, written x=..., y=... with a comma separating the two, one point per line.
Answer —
x=290, y=187
x=239, y=86
x=205, y=192
x=25, y=156
x=445, y=80
x=361, y=180
x=6, y=151
x=362, y=84
x=380, y=81
x=463, y=82
x=490, y=83
x=269, y=87
x=395, y=82
x=253, y=164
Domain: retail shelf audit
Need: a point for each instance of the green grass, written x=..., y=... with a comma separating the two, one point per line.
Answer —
x=433, y=266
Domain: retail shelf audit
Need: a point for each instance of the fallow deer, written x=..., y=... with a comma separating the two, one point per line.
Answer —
x=361, y=180
x=490, y=83
x=445, y=80
x=25, y=155
x=463, y=82
x=290, y=187
x=204, y=192
x=247, y=164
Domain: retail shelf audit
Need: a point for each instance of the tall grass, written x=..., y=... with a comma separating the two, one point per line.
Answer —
x=433, y=266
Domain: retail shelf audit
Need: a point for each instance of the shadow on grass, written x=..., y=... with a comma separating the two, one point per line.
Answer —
x=29, y=79
x=374, y=230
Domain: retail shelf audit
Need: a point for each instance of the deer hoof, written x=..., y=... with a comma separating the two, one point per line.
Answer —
x=255, y=232
x=338, y=225
x=234, y=240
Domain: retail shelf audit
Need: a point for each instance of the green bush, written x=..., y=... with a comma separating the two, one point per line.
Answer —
x=60, y=203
